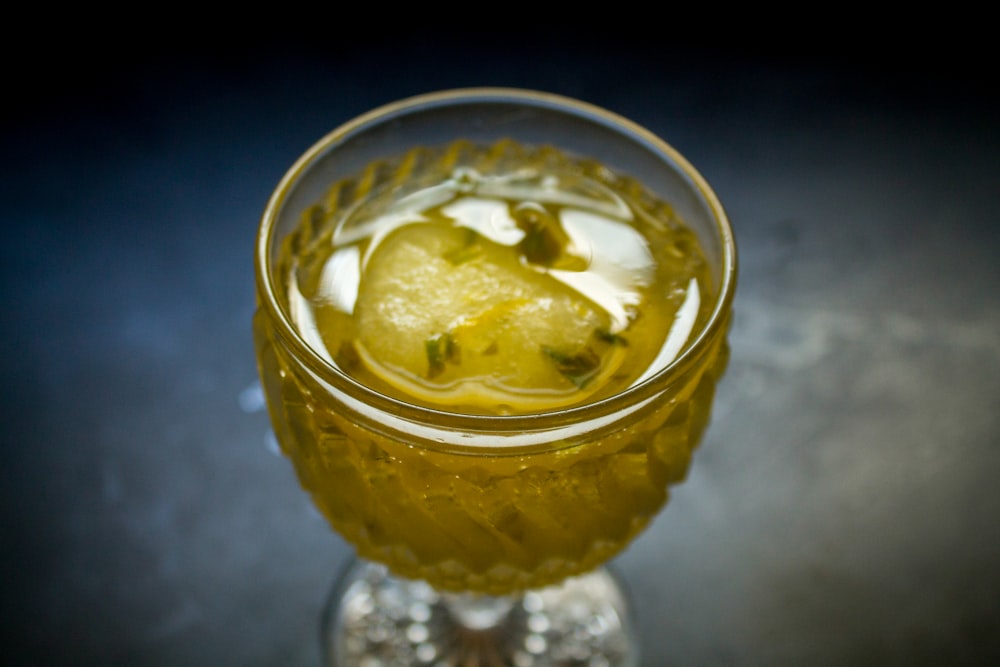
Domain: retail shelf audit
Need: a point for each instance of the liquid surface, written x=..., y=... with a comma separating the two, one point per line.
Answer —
x=498, y=292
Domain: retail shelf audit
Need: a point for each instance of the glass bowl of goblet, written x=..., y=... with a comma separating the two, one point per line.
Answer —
x=490, y=324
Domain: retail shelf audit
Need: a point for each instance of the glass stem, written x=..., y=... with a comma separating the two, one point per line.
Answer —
x=478, y=612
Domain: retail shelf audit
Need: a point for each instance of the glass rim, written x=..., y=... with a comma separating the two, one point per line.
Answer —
x=330, y=374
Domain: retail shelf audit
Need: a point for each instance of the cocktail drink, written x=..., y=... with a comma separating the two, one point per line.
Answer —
x=490, y=325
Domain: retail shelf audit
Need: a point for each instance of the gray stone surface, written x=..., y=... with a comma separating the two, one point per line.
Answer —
x=843, y=508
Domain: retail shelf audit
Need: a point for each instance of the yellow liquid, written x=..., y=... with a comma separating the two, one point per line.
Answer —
x=491, y=280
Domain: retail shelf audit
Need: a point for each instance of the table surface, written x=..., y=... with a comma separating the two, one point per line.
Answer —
x=843, y=508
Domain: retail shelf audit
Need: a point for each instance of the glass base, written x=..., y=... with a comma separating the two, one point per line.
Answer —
x=375, y=619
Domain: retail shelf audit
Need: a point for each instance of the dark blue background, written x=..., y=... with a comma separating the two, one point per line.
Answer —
x=843, y=508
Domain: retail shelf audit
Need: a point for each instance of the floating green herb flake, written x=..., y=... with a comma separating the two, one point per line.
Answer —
x=539, y=247
x=611, y=338
x=579, y=368
x=544, y=238
x=440, y=348
x=347, y=356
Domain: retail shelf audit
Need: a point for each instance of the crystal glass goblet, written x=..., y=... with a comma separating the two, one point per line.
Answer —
x=489, y=327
